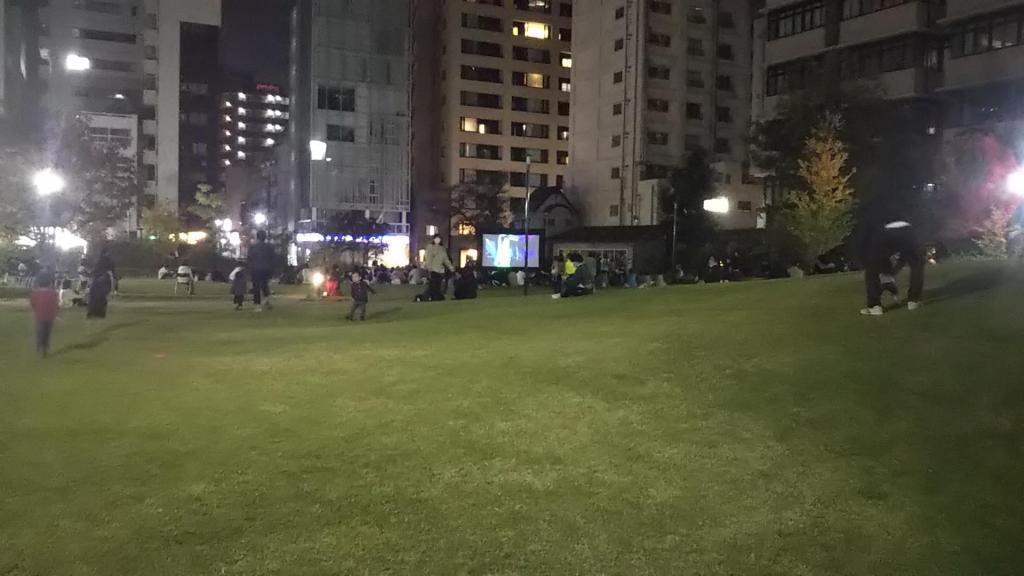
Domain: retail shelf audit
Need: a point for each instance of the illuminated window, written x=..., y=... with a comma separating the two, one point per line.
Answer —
x=241, y=141
x=566, y=60
x=563, y=133
x=564, y=85
x=480, y=126
x=241, y=125
x=465, y=229
x=538, y=30
x=531, y=79
x=241, y=155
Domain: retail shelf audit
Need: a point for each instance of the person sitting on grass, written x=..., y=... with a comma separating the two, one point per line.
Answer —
x=360, y=297
x=580, y=282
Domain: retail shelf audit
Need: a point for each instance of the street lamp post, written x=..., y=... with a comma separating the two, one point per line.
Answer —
x=48, y=182
x=526, y=230
x=675, y=230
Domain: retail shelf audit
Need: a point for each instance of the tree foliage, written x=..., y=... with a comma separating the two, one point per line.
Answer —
x=19, y=210
x=977, y=164
x=208, y=205
x=483, y=206
x=820, y=215
x=691, y=184
x=992, y=234
x=890, y=142
x=101, y=185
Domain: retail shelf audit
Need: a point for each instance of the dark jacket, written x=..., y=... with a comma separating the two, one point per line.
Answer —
x=240, y=283
x=261, y=257
x=360, y=291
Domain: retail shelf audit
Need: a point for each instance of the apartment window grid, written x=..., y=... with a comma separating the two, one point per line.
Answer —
x=660, y=7
x=796, y=19
x=987, y=33
x=855, y=8
x=879, y=58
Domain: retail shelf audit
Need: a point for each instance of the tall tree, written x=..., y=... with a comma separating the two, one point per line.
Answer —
x=691, y=184
x=820, y=214
x=893, y=144
x=208, y=205
x=101, y=183
x=482, y=206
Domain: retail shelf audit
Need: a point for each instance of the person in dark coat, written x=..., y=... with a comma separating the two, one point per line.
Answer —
x=261, y=268
x=360, y=297
x=883, y=245
x=100, y=286
x=465, y=282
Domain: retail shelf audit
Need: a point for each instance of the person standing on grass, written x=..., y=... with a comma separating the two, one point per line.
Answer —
x=45, y=302
x=261, y=267
x=883, y=243
x=437, y=264
x=101, y=285
x=360, y=297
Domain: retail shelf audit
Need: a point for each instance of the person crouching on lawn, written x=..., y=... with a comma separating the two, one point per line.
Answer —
x=884, y=243
x=360, y=297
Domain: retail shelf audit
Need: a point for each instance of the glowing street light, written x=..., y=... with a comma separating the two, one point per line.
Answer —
x=719, y=205
x=75, y=63
x=259, y=218
x=1015, y=182
x=48, y=182
x=317, y=149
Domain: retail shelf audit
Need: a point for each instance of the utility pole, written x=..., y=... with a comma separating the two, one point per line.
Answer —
x=526, y=230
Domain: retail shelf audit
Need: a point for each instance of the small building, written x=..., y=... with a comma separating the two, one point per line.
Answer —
x=551, y=211
x=642, y=248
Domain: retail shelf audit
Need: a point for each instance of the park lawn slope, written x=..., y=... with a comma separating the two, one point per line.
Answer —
x=753, y=428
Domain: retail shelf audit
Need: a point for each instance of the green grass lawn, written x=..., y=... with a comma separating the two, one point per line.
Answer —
x=745, y=429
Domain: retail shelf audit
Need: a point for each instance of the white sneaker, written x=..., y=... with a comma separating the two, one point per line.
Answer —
x=911, y=305
x=873, y=311
x=556, y=296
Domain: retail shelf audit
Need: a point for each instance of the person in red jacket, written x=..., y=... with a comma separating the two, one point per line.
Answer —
x=45, y=303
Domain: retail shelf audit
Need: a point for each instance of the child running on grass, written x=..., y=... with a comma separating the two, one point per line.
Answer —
x=239, y=284
x=360, y=297
x=45, y=302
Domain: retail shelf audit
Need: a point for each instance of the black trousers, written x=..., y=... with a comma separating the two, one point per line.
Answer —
x=881, y=247
x=44, y=328
x=357, y=308
x=260, y=286
x=434, y=292
x=239, y=300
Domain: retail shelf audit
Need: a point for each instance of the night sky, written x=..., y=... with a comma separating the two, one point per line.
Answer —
x=255, y=38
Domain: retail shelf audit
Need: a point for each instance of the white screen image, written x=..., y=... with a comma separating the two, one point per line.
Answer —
x=509, y=250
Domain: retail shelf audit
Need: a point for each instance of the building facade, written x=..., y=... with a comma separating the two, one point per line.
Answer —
x=653, y=81
x=114, y=57
x=350, y=111
x=505, y=91
x=254, y=120
x=983, y=74
x=499, y=72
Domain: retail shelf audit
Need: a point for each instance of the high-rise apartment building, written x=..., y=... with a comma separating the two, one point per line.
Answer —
x=253, y=122
x=983, y=75
x=811, y=43
x=121, y=57
x=653, y=81
x=254, y=119
x=498, y=72
x=350, y=111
